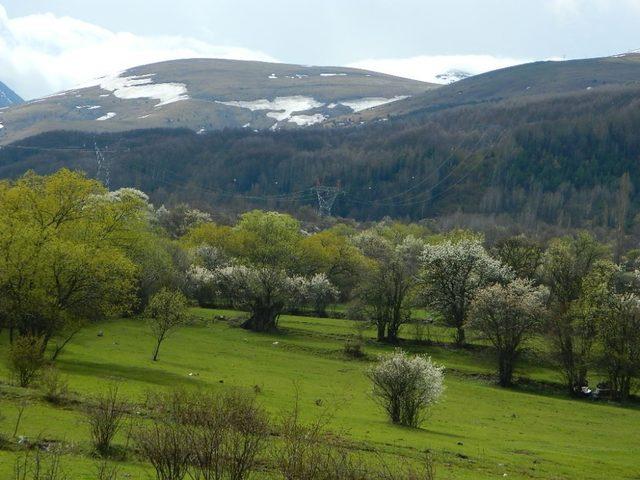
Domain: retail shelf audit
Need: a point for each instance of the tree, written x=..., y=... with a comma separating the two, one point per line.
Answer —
x=320, y=293
x=521, y=254
x=65, y=245
x=452, y=273
x=508, y=316
x=26, y=358
x=620, y=335
x=406, y=386
x=177, y=221
x=263, y=292
x=567, y=263
x=267, y=239
x=332, y=253
x=609, y=309
x=167, y=310
x=389, y=282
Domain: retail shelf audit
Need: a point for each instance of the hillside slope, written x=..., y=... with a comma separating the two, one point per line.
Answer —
x=538, y=79
x=209, y=94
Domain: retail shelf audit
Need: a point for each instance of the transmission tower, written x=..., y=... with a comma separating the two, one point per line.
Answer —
x=326, y=198
x=102, y=170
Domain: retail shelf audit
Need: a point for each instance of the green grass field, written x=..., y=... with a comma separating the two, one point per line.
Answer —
x=478, y=431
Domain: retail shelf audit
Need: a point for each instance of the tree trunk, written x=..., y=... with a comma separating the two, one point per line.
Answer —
x=156, y=351
x=264, y=320
x=505, y=370
x=381, y=330
x=460, y=337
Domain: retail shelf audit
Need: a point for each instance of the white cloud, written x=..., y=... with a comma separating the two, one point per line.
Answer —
x=43, y=53
x=428, y=67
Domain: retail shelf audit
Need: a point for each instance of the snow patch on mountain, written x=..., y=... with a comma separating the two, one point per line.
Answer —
x=452, y=76
x=359, y=104
x=333, y=74
x=106, y=117
x=306, y=120
x=142, y=86
x=280, y=108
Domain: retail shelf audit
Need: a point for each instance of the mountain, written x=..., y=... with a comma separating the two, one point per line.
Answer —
x=538, y=79
x=209, y=94
x=8, y=97
x=495, y=151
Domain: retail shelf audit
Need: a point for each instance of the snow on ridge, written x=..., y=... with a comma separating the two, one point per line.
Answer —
x=359, y=104
x=108, y=116
x=306, y=120
x=333, y=74
x=1, y=126
x=280, y=108
x=88, y=107
x=142, y=86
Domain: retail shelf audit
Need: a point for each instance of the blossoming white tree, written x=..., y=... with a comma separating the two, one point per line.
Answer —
x=264, y=292
x=508, y=316
x=452, y=273
x=320, y=293
x=406, y=386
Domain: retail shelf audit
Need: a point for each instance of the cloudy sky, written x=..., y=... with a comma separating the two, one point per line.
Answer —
x=48, y=46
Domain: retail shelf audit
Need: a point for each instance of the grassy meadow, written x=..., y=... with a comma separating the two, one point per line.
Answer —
x=477, y=431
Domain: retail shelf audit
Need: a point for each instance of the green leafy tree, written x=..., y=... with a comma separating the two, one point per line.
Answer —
x=167, y=311
x=390, y=281
x=65, y=245
x=567, y=263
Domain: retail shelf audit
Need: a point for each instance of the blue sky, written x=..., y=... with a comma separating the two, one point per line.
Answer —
x=46, y=46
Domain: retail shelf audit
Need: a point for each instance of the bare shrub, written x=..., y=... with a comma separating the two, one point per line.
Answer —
x=54, y=386
x=104, y=471
x=423, y=470
x=164, y=445
x=247, y=433
x=36, y=465
x=224, y=435
x=106, y=416
x=26, y=358
x=309, y=452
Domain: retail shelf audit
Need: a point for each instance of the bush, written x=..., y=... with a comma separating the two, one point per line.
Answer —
x=54, y=386
x=354, y=347
x=306, y=452
x=210, y=436
x=36, y=465
x=406, y=386
x=164, y=445
x=26, y=358
x=105, y=417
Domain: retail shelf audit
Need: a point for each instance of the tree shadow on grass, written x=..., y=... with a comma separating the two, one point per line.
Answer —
x=128, y=372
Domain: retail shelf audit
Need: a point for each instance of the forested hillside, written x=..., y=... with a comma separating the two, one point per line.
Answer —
x=556, y=160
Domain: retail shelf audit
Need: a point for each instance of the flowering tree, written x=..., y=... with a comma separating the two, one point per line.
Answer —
x=406, y=386
x=452, y=273
x=264, y=292
x=508, y=315
x=320, y=293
